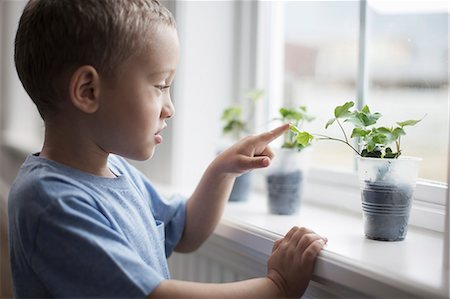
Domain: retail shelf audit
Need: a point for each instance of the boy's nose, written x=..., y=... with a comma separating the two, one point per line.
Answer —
x=168, y=109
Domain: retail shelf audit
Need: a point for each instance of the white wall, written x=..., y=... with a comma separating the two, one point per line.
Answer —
x=21, y=122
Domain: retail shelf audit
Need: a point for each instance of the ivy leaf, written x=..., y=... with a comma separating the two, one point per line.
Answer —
x=343, y=111
x=365, y=109
x=358, y=132
x=355, y=119
x=410, y=122
x=364, y=118
x=232, y=119
x=397, y=132
x=255, y=94
x=305, y=115
x=387, y=132
x=304, y=138
x=231, y=113
x=329, y=123
x=371, y=118
x=379, y=138
x=234, y=126
x=295, y=114
x=370, y=145
x=294, y=129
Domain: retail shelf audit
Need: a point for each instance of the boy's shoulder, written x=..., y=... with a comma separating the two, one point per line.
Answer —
x=42, y=180
x=40, y=176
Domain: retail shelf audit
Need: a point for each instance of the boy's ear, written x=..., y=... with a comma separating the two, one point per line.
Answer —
x=85, y=89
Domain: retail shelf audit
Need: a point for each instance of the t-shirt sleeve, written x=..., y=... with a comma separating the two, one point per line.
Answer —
x=74, y=238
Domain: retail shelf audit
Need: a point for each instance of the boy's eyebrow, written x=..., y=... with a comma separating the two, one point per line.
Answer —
x=163, y=72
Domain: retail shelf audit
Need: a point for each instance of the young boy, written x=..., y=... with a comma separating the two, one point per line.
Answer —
x=83, y=222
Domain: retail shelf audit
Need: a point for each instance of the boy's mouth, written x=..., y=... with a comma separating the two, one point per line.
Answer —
x=158, y=137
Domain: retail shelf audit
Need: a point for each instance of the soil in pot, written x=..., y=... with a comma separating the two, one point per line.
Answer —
x=284, y=192
x=386, y=208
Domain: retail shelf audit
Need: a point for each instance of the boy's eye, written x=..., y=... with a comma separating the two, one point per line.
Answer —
x=162, y=87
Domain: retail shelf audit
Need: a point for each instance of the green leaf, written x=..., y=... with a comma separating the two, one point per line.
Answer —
x=397, y=132
x=284, y=112
x=329, y=123
x=295, y=114
x=232, y=120
x=304, y=138
x=384, y=130
x=365, y=109
x=294, y=129
x=379, y=139
x=410, y=122
x=355, y=119
x=301, y=139
x=234, y=126
x=254, y=95
x=231, y=113
x=343, y=111
x=366, y=118
x=358, y=132
x=388, y=138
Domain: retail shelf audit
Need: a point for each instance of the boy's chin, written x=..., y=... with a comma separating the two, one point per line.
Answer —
x=142, y=155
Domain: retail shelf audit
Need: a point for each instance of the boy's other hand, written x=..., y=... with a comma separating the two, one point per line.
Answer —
x=250, y=152
x=291, y=263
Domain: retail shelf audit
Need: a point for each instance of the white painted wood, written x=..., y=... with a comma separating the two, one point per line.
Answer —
x=350, y=261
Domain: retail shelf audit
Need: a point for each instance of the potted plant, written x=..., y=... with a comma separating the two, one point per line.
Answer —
x=234, y=128
x=387, y=179
x=286, y=176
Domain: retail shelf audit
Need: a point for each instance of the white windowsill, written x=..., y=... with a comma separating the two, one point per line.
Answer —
x=410, y=268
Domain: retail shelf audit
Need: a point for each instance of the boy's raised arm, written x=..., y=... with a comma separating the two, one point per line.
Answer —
x=205, y=206
x=289, y=270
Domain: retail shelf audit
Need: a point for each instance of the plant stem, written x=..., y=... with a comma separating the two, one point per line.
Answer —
x=345, y=135
x=324, y=137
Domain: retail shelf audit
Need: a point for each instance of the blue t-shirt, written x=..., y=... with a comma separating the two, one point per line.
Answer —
x=73, y=234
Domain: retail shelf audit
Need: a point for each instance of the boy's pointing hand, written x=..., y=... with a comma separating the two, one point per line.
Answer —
x=250, y=152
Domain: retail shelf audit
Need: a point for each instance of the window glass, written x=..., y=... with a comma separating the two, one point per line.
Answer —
x=407, y=65
x=320, y=68
x=406, y=61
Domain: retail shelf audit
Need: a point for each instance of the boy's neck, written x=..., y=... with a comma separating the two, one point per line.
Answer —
x=70, y=147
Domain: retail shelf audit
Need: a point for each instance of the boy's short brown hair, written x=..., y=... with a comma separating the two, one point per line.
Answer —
x=55, y=37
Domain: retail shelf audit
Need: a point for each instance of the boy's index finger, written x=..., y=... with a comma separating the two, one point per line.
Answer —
x=269, y=136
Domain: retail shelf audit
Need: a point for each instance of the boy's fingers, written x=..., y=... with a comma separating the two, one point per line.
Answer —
x=269, y=136
x=267, y=152
x=297, y=230
x=276, y=244
x=311, y=252
x=256, y=162
x=306, y=240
